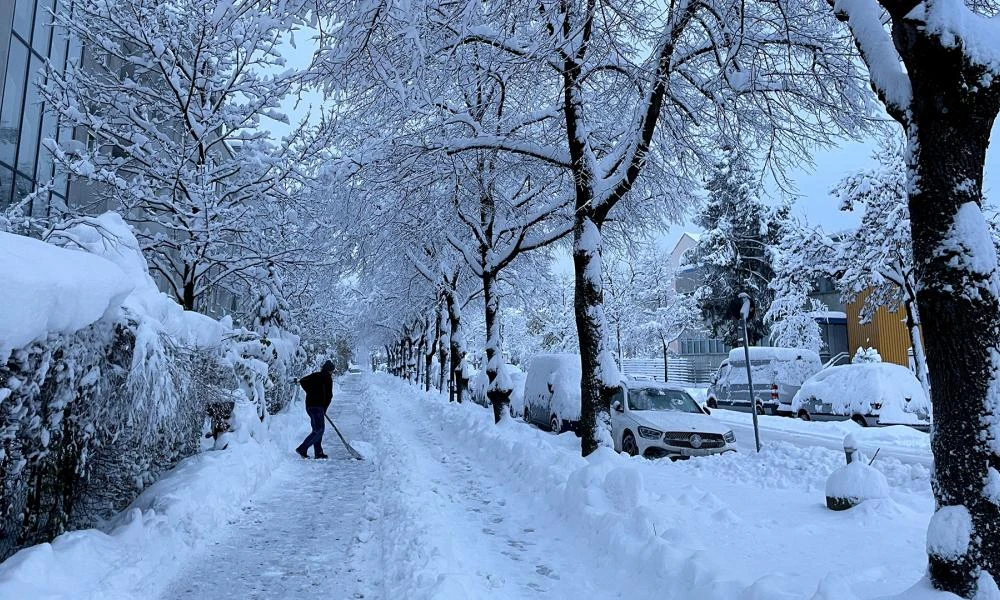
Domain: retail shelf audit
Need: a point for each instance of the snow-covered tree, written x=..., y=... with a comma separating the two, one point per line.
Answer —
x=624, y=99
x=734, y=253
x=935, y=65
x=175, y=99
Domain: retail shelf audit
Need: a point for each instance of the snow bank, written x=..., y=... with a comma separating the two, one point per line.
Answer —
x=109, y=237
x=404, y=517
x=46, y=289
x=859, y=388
x=658, y=524
x=163, y=525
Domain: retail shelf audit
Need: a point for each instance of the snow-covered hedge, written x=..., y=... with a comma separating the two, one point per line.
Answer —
x=105, y=382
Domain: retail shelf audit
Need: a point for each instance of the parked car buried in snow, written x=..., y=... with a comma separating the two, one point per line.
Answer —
x=480, y=382
x=866, y=393
x=552, y=392
x=658, y=420
x=777, y=375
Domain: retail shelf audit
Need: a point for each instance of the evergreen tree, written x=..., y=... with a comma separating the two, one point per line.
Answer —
x=734, y=252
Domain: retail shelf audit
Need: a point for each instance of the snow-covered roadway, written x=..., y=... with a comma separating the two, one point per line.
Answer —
x=905, y=444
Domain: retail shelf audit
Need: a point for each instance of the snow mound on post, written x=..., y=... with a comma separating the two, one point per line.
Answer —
x=857, y=481
x=46, y=289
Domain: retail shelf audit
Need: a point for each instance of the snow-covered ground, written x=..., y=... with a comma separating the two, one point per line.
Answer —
x=451, y=507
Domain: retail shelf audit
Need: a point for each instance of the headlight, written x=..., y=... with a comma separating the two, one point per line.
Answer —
x=649, y=433
x=730, y=437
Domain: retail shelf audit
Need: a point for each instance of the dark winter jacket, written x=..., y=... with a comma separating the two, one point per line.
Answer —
x=319, y=388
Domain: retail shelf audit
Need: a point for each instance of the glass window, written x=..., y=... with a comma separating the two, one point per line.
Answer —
x=43, y=27
x=22, y=187
x=13, y=90
x=661, y=399
x=23, y=10
x=31, y=122
x=6, y=183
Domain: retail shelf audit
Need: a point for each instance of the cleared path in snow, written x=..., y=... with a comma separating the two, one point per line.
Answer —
x=296, y=539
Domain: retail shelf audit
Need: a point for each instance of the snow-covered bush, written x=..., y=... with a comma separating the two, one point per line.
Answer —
x=866, y=355
x=111, y=382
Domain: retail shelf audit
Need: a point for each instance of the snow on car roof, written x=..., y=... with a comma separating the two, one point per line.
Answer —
x=773, y=353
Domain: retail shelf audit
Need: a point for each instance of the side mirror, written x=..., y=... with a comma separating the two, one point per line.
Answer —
x=618, y=406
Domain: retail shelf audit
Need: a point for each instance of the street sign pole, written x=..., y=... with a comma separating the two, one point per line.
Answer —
x=744, y=315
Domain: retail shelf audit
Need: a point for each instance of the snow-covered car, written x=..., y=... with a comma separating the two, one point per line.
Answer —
x=777, y=375
x=480, y=381
x=867, y=393
x=659, y=420
x=552, y=391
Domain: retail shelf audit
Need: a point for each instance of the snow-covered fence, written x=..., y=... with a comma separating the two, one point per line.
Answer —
x=680, y=370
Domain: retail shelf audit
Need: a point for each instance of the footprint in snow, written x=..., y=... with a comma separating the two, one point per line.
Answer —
x=545, y=572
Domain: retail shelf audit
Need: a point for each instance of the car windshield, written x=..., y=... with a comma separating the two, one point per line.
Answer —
x=661, y=399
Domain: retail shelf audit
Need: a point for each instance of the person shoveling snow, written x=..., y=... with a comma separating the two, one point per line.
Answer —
x=319, y=394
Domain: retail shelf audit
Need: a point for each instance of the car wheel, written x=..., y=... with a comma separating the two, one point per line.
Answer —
x=805, y=416
x=760, y=408
x=713, y=404
x=628, y=444
x=526, y=416
x=555, y=424
x=860, y=420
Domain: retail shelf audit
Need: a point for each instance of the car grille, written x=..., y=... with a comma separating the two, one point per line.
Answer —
x=682, y=439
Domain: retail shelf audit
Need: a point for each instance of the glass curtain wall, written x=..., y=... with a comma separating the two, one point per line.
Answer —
x=27, y=41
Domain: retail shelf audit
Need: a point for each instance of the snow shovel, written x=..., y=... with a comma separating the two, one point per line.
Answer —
x=354, y=453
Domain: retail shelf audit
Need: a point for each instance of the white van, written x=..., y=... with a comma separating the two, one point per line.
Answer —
x=777, y=375
x=552, y=392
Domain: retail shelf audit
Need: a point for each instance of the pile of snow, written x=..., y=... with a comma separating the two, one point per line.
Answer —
x=658, y=524
x=857, y=482
x=553, y=382
x=856, y=389
x=109, y=237
x=171, y=518
x=46, y=289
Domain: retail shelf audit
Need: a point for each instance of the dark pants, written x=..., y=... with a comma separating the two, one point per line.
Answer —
x=317, y=414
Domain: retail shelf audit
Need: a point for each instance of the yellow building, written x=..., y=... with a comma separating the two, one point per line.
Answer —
x=886, y=332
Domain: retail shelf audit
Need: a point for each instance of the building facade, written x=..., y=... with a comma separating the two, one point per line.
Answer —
x=27, y=41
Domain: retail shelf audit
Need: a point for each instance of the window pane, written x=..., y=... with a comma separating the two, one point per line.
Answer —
x=10, y=112
x=49, y=131
x=22, y=17
x=43, y=27
x=22, y=187
x=30, y=123
x=6, y=182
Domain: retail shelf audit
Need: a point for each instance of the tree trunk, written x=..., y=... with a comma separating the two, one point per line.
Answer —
x=444, y=344
x=189, y=298
x=455, y=362
x=666, y=360
x=596, y=391
x=957, y=295
x=499, y=398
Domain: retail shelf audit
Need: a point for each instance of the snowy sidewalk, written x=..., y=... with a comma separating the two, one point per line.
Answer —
x=294, y=540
